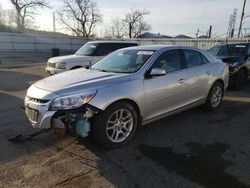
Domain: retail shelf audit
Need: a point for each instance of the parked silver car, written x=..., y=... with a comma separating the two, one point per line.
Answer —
x=88, y=54
x=126, y=89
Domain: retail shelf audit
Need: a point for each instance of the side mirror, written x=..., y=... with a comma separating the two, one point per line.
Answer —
x=157, y=72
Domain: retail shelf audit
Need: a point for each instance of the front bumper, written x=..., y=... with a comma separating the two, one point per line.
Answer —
x=39, y=114
x=52, y=70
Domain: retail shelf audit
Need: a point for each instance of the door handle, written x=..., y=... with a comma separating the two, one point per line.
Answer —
x=181, y=81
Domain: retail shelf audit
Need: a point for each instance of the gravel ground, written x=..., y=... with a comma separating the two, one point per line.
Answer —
x=191, y=149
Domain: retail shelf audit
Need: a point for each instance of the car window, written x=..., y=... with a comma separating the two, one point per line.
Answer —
x=248, y=53
x=123, y=45
x=170, y=61
x=88, y=49
x=104, y=49
x=123, y=61
x=229, y=50
x=193, y=58
x=204, y=59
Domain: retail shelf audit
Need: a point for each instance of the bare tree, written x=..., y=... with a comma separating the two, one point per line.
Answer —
x=80, y=16
x=8, y=17
x=135, y=22
x=1, y=15
x=27, y=9
x=118, y=27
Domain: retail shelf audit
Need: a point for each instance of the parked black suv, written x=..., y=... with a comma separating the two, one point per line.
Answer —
x=237, y=55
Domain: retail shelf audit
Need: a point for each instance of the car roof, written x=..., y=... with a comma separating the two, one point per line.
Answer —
x=236, y=43
x=111, y=42
x=159, y=47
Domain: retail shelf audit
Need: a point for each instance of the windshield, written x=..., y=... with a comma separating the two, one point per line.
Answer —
x=230, y=50
x=88, y=49
x=123, y=61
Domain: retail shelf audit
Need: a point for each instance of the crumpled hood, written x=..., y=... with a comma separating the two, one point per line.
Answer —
x=231, y=59
x=80, y=80
x=69, y=58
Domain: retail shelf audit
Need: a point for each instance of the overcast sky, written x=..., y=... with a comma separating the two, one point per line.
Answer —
x=169, y=17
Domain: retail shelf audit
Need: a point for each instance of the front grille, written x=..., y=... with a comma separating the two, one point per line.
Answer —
x=32, y=114
x=50, y=64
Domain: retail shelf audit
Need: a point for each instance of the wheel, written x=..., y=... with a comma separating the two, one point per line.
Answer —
x=116, y=125
x=240, y=80
x=214, y=97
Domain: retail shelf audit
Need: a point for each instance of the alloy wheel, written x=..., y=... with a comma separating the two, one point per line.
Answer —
x=119, y=125
x=216, y=96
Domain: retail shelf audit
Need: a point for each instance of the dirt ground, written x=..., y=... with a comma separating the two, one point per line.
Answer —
x=191, y=149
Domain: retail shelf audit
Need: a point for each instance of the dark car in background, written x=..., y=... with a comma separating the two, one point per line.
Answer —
x=237, y=56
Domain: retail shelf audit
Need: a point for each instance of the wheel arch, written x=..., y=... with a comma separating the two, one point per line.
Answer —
x=133, y=103
x=221, y=82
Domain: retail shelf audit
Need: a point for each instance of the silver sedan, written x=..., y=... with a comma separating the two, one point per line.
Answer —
x=128, y=88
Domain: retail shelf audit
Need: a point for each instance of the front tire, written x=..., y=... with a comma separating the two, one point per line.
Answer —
x=116, y=125
x=214, y=97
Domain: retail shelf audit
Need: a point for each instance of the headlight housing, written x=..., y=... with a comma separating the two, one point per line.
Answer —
x=61, y=66
x=72, y=101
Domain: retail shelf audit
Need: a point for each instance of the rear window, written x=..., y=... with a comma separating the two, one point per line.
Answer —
x=194, y=58
x=230, y=50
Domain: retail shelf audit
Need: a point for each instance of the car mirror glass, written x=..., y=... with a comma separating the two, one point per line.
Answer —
x=157, y=72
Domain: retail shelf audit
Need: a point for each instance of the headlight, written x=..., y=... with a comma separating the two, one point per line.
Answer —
x=61, y=66
x=72, y=101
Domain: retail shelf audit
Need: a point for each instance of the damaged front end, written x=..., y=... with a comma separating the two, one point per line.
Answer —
x=76, y=121
x=65, y=112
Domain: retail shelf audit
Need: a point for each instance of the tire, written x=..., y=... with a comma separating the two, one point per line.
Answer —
x=108, y=124
x=240, y=80
x=215, y=96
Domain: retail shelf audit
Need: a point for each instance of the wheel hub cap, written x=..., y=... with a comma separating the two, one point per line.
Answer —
x=119, y=125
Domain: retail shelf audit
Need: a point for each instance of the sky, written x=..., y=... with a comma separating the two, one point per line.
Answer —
x=169, y=17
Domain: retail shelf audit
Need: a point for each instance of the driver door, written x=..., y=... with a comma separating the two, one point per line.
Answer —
x=166, y=93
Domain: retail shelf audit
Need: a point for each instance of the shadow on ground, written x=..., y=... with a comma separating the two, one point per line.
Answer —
x=202, y=164
x=194, y=148
x=16, y=81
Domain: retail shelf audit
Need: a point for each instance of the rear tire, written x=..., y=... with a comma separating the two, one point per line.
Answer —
x=116, y=125
x=215, y=96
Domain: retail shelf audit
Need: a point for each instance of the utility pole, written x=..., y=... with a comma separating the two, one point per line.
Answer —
x=241, y=19
x=197, y=33
x=54, y=22
x=210, y=31
x=231, y=25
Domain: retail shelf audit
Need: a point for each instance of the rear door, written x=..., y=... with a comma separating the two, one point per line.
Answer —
x=165, y=93
x=199, y=72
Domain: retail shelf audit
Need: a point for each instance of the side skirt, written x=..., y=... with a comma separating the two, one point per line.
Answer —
x=184, y=108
